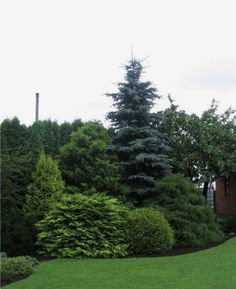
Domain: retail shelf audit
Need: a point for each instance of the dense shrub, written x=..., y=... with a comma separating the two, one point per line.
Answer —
x=83, y=226
x=87, y=164
x=194, y=223
x=16, y=266
x=148, y=232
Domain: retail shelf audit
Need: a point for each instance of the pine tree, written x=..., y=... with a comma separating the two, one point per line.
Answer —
x=139, y=144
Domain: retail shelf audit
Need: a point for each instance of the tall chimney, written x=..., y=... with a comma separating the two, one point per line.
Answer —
x=37, y=107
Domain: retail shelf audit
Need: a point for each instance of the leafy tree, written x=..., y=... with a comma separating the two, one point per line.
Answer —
x=202, y=147
x=217, y=145
x=86, y=163
x=46, y=187
x=181, y=130
x=139, y=144
x=194, y=223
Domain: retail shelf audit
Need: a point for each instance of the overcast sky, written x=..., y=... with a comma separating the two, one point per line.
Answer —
x=72, y=53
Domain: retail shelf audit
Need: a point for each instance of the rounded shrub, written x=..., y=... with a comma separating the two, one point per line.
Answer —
x=15, y=266
x=193, y=222
x=148, y=232
x=83, y=226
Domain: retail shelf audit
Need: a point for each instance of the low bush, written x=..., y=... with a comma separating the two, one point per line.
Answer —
x=15, y=266
x=83, y=226
x=148, y=232
x=194, y=223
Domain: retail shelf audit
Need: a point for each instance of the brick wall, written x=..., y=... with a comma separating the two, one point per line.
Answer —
x=225, y=204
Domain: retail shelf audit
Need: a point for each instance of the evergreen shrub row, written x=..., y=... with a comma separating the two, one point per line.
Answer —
x=97, y=225
x=100, y=226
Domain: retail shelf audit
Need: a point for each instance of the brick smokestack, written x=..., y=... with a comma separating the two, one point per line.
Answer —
x=37, y=107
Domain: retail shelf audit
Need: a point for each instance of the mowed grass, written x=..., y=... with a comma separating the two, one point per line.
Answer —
x=214, y=268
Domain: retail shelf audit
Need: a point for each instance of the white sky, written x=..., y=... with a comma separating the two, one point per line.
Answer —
x=72, y=52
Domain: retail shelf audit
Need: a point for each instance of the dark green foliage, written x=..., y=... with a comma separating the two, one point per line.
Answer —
x=35, y=143
x=181, y=129
x=14, y=134
x=3, y=256
x=46, y=188
x=66, y=130
x=49, y=136
x=83, y=226
x=51, y=139
x=194, y=223
x=86, y=163
x=20, y=150
x=137, y=141
x=148, y=232
x=229, y=224
x=14, y=232
x=14, y=267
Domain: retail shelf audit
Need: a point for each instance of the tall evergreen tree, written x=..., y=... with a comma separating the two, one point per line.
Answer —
x=137, y=141
x=15, y=176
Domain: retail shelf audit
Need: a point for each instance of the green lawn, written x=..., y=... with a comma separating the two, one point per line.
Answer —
x=210, y=269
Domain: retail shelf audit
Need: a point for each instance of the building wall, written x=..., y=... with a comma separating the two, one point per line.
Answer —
x=225, y=200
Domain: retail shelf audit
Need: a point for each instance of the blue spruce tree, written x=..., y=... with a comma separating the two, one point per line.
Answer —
x=137, y=141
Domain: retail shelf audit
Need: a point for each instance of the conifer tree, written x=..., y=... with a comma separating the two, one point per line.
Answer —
x=139, y=144
x=86, y=164
x=46, y=188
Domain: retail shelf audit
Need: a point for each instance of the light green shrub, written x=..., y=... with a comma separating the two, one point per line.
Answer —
x=148, y=232
x=83, y=226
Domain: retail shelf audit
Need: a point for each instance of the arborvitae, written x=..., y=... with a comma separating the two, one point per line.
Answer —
x=46, y=188
x=139, y=144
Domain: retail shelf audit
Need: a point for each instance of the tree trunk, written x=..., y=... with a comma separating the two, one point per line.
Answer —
x=205, y=189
